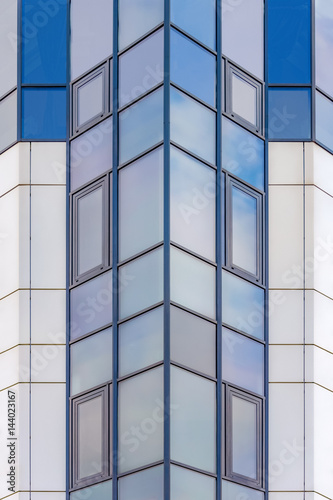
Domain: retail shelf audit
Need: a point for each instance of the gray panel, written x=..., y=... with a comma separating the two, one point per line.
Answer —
x=8, y=120
x=8, y=44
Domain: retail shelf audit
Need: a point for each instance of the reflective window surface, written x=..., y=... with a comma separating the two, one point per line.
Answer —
x=91, y=34
x=235, y=491
x=193, y=426
x=244, y=99
x=242, y=361
x=197, y=17
x=142, y=485
x=137, y=17
x=101, y=491
x=324, y=120
x=192, y=283
x=141, y=68
x=91, y=305
x=242, y=153
x=189, y=330
x=289, y=41
x=242, y=305
x=141, y=283
x=91, y=154
x=91, y=361
x=189, y=484
x=141, y=419
x=141, y=341
x=192, y=67
x=8, y=53
x=44, y=113
x=243, y=34
x=192, y=199
x=8, y=120
x=90, y=99
x=141, y=126
x=324, y=45
x=289, y=113
x=141, y=200
x=192, y=125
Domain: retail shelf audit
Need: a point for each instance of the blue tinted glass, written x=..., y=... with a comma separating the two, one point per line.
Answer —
x=324, y=45
x=91, y=305
x=192, y=67
x=289, y=113
x=289, y=41
x=197, y=17
x=233, y=491
x=324, y=120
x=102, y=491
x=242, y=153
x=242, y=305
x=142, y=485
x=44, y=49
x=44, y=113
x=137, y=17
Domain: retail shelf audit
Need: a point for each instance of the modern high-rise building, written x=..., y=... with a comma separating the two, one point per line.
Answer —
x=166, y=249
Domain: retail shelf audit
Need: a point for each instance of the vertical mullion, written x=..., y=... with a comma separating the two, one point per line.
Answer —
x=19, y=69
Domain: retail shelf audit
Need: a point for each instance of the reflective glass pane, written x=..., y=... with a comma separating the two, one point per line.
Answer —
x=192, y=125
x=192, y=283
x=193, y=426
x=243, y=34
x=44, y=31
x=141, y=68
x=289, y=113
x=90, y=437
x=324, y=45
x=324, y=120
x=186, y=484
x=244, y=232
x=90, y=229
x=147, y=484
x=91, y=154
x=141, y=126
x=91, y=361
x=242, y=153
x=137, y=17
x=141, y=200
x=91, y=34
x=289, y=41
x=242, y=305
x=244, y=437
x=188, y=330
x=8, y=44
x=197, y=17
x=91, y=305
x=141, y=341
x=192, y=67
x=44, y=113
x=90, y=99
x=141, y=417
x=141, y=283
x=192, y=204
x=242, y=361
x=101, y=491
x=244, y=99
x=233, y=491
x=8, y=120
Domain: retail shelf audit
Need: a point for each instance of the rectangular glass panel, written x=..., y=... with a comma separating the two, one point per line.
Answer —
x=141, y=126
x=101, y=491
x=324, y=120
x=233, y=491
x=192, y=125
x=140, y=201
x=187, y=484
x=8, y=120
x=141, y=68
x=147, y=484
x=141, y=341
x=91, y=154
x=192, y=67
x=192, y=204
x=141, y=417
x=242, y=361
x=137, y=17
x=44, y=113
x=141, y=283
x=91, y=305
x=90, y=437
x=90, y=100
x=193, y=341
x=192, y=283
x=242, y=305
x=91, y=34
x=8, y=44
x=91, y=361
x=244, y=99
x=324, y=45
x=289, y=113
x=197, y=17
x=193, y=424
